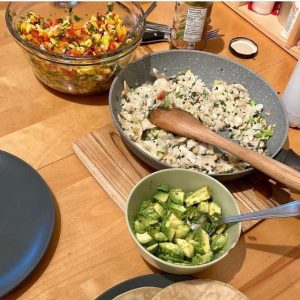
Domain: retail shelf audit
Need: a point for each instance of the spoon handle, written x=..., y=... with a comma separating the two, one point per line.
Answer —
x=188, y=126
x=291, y=209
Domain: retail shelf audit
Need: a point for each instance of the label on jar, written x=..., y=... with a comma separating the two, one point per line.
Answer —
x=195, y=20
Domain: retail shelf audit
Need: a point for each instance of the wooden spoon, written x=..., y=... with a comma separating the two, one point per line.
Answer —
x=182, y=123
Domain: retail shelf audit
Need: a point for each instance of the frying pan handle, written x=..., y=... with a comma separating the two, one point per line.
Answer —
x=290, y=158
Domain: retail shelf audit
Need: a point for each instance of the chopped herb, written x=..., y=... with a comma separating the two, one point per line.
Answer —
x=178, y=95
x=110, y=6
x=165, y=104
x=77, y=18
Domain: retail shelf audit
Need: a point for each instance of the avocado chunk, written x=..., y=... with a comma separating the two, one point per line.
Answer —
x=187, y=248
x=169, y=258
x=139, y=227
x=202, y=259
x=202, y=238
x=218, y=242
x=147, y=210
x=143, y=238
x=152, y=248
x=161, y=197
x=168, y=232
x=163, y=187
x=202, y=194
x=171, y=249
x=176, y=208
x=214, y=209
x=221, y=228
x=147, y=221
x=173, y=221
x=177, y=196
x=192, y=213
x=204, y=206
x=159, y=209
x=182, y=231
x=160, y=237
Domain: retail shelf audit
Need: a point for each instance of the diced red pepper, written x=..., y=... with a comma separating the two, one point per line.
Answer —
x=161, y=96
x=35, y=33
x=112, y=46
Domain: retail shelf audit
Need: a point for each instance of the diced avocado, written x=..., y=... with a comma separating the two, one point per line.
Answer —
x=147, y=221
x=189, y=237
x=221, y=228
x=159, y=209
x=163, y=187
x=152, y=248
x=172, y=249
x=214, y=209
x=160, y=237
x=187, y=248
x=147, y=210
x=139, y=227
x=202, y=194
x=176, y=196
x=173, y=221
x=202, y=259
x=169, y=258
x=143, y=238
x=168, y=232
x=192, y=213
x=204, y=206
x=218, y=242
x=161, y=197
x=202, y=237
x=196, y=245
x=152, y=230
x=176, y=208
x=182, y=231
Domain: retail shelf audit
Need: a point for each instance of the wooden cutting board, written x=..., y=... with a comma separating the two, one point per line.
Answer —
x=117, y=170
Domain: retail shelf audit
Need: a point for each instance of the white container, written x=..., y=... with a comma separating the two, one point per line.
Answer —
x=291, y=97
x=293, y=14
x=263, y=7
x=284, y=11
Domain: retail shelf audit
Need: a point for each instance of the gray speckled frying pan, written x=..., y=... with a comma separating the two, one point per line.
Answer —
x=208, y=67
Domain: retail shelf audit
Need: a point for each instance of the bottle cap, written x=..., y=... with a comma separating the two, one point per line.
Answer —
x=243, y=47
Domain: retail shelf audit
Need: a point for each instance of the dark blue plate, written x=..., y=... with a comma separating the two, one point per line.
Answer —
x=27, y=216
x=156, y=280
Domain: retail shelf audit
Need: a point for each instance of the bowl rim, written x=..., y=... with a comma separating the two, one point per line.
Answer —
x=182, y=267
x=78, y=59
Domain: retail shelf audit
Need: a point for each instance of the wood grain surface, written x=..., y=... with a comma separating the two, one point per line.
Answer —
x=91, y=250
x=117, y=170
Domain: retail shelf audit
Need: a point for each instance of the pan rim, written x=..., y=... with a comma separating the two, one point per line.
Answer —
x=193, y=52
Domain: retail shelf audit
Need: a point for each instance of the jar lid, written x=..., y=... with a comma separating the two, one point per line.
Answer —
x=243, y=47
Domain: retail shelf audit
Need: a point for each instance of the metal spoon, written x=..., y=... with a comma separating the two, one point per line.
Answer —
x=143, y=18
x=291, y=209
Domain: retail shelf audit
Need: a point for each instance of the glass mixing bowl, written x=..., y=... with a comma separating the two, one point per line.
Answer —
x=83, y=75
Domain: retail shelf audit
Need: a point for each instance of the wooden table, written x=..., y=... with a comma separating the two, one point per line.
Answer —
x=91, y=250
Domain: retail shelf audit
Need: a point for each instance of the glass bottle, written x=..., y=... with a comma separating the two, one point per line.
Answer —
x=291, y=97
x=190, y=24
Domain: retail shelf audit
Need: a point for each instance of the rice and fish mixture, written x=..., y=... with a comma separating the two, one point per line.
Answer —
x=223, y=107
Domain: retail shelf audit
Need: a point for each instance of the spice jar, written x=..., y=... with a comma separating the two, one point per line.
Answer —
x=190, y=24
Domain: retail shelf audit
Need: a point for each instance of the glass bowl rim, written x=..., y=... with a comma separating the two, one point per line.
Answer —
x=49, y=55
